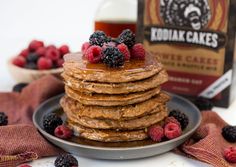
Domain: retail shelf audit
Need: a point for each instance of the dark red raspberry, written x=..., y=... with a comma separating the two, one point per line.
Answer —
x=124, y=50
x=60, y=62
x=173, y=120
x=19, y=61
x=138, y=52
x=24, y=53
x=24, y=165
x=51, y=46
x=172, y=130
x=85, y=47
x=41, y=51
x=94, y=54
x=35, y=44
x=44, y=63
x=63, y=132
x=64, y=49
x=156, y=133
x=230, y=154
x=52, y=53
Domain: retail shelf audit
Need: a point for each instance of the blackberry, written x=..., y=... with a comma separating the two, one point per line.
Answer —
x=31, y=65
x=203, y=104
x=32, y=57
x=127, y=37
x=50, y=122
x=98, y=38
x=112, y=57
x=66, y=160
x=181, y=118
x=3, y=119
x=18, y=87
x=229, y=133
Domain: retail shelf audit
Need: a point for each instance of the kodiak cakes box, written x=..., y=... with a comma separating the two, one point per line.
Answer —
x=195, y=40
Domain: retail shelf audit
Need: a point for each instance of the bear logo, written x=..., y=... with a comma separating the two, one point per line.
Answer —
x=193, y=14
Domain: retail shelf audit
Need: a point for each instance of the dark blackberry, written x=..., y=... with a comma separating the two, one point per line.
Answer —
x=181, y=118
x=229, y=133
x=18, y=87
x=32, y=57
x=98, y=38
x=3, y=119
x=127, y=37
x=31, y=65
x=203, y=104
x=50, y=122
x=66, y=160
x=112, y=57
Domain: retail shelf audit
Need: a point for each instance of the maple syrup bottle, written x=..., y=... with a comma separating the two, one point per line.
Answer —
x=113, y=16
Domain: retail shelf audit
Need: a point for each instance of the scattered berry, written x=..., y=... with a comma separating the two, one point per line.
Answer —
x=44, y=63
x=85, y=47
x=230, y=154
x=63, y=132
x=41, y=51
x=124, y=50
x=98, y=38
x=156, y=133
x=18, y=87
x=138, y=52
x=66, y=160
x=94, y=54
x=64, y=49
x=203, y=104
x=127, y=37
x=52, y=53
x=59, y=62
x=173, y=120
x=24, y=165
x=35, y=44
x=32, y=57
x=24, y=53
x=50, y=122
x=172, y=130
x=19, y=61
x=31, y=65
x=229, y=133
x=3, y=119
x=181, y=118
x=112, y=57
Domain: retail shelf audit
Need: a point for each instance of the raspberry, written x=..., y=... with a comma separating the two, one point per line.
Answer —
x=230, y=154
x=64, y=49
x=51, y=47
x=59, y=62
x=50, y=122
x=32, y=57
x=85, y=47
x=173, y=120
x=3, y=119
x=229, y=133
x=203, y=104
x=24, y=53
x=44, y=63
x=172, y=130
x=138, y=52
x=24, y=165
x=112, y=57
x=41, y=51
x=156, y=133
x=94, y=54
x=35, y=44
x=124, y=50
x=52, y=53
x=181, y=118
x=98, y=38
x=63, y=132
x=127, y=37
x=18, y=87
x=66, y=160
x=19, y=61
x=31, y=65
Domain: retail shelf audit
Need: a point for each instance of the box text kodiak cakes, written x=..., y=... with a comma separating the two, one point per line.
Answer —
x=195, y=40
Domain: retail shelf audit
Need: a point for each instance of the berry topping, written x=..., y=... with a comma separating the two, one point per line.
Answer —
x=63, y=132
x=85, y=47
x=127, y=37
x=60, y=62
x=66, y=160
x=156, y=133
x=3, y=119
x=64, y=49
x=31, y=65
x=124, y=50
x=230, y=154
x=19, y=61
x=24, y=165
x=52, y=53
x=35, y=44
x=44, y=63
x=229, y=133
x=181, y=118
x=24, y=53
x=203, y=104
x=173, y=120
x=98, y=38
x=172, y=130
x=112, y=57
x=41, y=51
x=50, y=122
x=18, y=87
x=138, y=52
x=32, y=57
x=94, y=54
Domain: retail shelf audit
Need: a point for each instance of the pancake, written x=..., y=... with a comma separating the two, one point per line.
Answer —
x=116, y=88
x=117, y=112
x=134, y=70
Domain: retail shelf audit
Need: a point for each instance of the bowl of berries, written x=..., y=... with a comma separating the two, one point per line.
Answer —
x=36, y=61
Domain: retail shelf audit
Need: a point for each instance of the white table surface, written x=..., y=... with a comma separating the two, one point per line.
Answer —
x=70, y=22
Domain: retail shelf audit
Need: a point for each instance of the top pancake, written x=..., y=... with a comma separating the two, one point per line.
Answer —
x=134, y=70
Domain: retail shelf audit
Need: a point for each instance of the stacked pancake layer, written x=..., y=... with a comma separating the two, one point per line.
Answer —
x=112, y=105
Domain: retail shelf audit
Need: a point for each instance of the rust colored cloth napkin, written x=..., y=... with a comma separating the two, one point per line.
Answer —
x=207, y=143
x=19, y=140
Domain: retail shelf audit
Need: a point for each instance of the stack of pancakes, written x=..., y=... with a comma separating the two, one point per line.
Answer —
x=113, y=104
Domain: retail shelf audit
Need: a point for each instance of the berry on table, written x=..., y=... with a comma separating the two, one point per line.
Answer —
x=44, y=63
x=24, y=53
x=19, y=61
x=112, y=57
x=64, y=49
x=31, y=65
x=180, y=117
x=50, y=122
x=229, y=133
x=138, y=52
x=52, y=53
x=94, y=54
x=3, y=119
x=35, y=44
x=127, y=37
x=230, y=154
x=66, y=160
x=124, y=50
x=63, y=132
x=156, y=133
x=18, y=87
x=32, y=57
x=98, y=38
x=172, y=130
x=203, y=104
x=85, y=47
